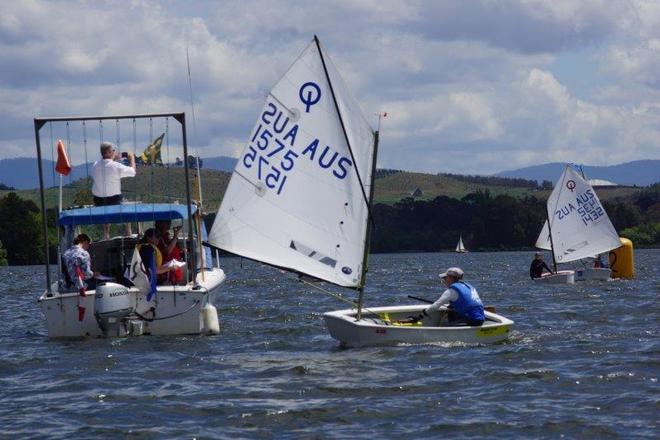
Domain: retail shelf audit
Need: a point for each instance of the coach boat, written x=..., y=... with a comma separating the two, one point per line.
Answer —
x=125, y=301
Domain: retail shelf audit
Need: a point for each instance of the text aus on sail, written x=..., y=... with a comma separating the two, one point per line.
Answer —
x=273, y=151
x=586, y=204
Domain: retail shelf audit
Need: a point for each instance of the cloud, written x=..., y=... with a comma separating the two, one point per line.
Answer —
x=469, y=86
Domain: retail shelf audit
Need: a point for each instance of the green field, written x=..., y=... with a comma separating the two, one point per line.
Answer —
x=156, y=184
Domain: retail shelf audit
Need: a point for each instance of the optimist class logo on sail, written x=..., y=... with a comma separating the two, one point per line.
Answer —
x=273, y=151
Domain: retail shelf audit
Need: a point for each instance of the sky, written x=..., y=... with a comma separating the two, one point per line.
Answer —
x=469, y=87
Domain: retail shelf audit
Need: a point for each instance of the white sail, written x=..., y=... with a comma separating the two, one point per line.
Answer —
x=460, y=247
x=294, y=199
x=543, y=242
x=579, y=224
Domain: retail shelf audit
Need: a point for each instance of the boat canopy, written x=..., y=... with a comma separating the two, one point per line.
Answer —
x=125, y=213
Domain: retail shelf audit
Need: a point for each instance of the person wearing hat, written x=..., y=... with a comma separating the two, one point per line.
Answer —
x=107, y=174
x=537, y=266
x=465, y=306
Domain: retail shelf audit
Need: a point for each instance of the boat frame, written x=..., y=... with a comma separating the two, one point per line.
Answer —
x=379, y=326
x=176, y=309
x=558, y=277
x=593, y=274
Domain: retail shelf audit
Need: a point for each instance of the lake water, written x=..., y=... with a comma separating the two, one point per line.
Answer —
x=583, y=361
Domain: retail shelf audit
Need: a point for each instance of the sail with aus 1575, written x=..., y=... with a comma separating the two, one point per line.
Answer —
x=298, y=196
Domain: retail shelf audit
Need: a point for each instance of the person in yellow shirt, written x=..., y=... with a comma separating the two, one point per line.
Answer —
x=152, y=259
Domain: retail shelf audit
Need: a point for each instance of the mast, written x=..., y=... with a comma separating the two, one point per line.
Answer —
x=182, y=119
x=552, y=246
x=367, y=239
x=343, y=127
x=367, y=200
x=37, y=126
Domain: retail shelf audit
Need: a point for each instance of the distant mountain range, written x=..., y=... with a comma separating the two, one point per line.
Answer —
x=638, y=172
x=22, y=173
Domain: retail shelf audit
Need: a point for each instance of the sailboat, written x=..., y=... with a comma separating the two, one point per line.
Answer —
x=300, y=199
x=460, y=248
x=576, y=227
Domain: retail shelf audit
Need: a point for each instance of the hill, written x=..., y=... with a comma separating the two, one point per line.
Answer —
x=151, y=184
x=220, y=163
x=162, y=184
x=639, y=172
x=21, y=173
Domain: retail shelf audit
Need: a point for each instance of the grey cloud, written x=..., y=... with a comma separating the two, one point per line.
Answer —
x=409, y=58
x=526, y=27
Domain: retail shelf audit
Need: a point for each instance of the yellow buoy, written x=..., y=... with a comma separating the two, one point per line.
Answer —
x=622, y=260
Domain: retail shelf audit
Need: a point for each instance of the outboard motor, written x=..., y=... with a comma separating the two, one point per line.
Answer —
x=112, y=305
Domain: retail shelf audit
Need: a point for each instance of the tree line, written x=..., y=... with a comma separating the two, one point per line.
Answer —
x=496, y=223
x=486, y=222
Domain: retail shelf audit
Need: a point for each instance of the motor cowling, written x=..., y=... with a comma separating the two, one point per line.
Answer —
x=112, y=304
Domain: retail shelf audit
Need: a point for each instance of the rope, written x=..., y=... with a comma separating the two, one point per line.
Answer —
x=168, y=317
x=117, y=136
x=135, y=194
x=84, y=127
x=68, y=147
x=52, y=153
x=339, y=297
x=167, y=144
x=151, y=168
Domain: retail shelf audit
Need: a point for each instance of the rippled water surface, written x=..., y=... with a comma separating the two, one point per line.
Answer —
x=583, y=361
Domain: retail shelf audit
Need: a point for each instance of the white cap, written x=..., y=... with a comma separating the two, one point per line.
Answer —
x=453, y=272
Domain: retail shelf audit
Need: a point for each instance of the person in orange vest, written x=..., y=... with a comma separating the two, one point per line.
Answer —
x=170, y=250
x=152, y=258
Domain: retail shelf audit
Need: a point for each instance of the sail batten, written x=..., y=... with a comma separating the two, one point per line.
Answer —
x=578, y=222
x=296, y=199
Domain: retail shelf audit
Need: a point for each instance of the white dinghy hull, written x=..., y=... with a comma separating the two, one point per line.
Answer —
x=559, y=277
x=373, y=330
x=179, y=310
x=593, y=274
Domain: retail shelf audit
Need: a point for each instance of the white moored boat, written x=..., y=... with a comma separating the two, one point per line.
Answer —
x=380, y=326
x=300, y=195
x=577, y=227
x=117, y=306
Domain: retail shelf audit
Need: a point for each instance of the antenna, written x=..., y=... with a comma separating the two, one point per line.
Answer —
x=194, y=121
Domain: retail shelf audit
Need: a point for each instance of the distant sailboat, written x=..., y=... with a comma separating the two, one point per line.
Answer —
x=577, y=227
x=460, y=248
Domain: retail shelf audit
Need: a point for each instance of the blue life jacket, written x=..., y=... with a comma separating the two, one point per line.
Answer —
x=468, y=305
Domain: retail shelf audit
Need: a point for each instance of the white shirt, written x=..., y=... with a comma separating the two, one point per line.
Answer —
x=447, y=296
x=107, y=175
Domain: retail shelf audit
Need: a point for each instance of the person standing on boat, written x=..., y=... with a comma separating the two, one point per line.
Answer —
x=77, y=263
x=537, y=266
x=107, y=174
x=169, y=249
x=465, y=306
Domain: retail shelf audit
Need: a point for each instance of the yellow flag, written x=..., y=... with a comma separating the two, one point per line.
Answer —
x=151, y=154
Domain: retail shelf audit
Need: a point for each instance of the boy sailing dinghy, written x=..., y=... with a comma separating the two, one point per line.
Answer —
x=300, y=199
x=577, y=227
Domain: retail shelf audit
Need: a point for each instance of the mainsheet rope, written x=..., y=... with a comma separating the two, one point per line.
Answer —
x=336, y=295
